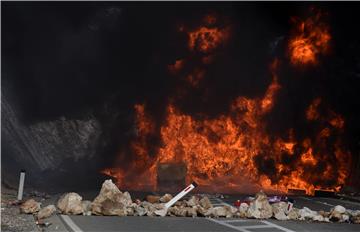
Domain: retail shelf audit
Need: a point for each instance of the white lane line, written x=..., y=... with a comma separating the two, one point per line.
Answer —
x=70, y=223
x=256, y=227
x=236, y=220
x=228, y=225
x=278, y=227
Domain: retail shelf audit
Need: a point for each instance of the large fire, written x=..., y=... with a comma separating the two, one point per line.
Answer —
x=235, y=149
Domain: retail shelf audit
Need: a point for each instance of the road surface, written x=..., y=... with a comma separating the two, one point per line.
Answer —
x=176, y=224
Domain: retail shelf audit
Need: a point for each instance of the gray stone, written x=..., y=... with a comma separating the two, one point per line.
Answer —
x=279, y=210
x=30, y=206
x=306, y=214
x=166, y=198
x=110, y=194
x=260, y=207
x=46, y=212
x=70, y=203
x=205, y=203
x=86, y=205
x=193, y=201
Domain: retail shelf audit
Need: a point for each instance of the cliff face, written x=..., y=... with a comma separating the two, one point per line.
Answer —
x=57, y=152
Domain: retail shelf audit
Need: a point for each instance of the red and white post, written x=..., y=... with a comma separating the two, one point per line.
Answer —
x=181, y=195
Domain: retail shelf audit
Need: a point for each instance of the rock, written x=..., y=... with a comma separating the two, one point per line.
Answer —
x=166, y=198
x=230, y=211
x=172, y=211
x=46, y=212
x=339, y=208
x=161, y=212
x=111, y=208
x=219, y=211
x=324, y=214
x=318, y=218
x=279, y=210
x=181, y=212
x=336, y=214
x=137, y=201
x=345, y=218
x=152, y=199
x=191, y=212
x=182, y=203
x=306, y=213
x=30, y=206
x=355, y=219
x=70, y=203
x=110, y=193
x=86, y=205
x=125, y=198
x=243, y=209
x=260, y=207
x=294, y=214
x=149, y=208
x=193, y=201
x=139, y=211
x=200, y=210
x=205, y=203
x=130, y=211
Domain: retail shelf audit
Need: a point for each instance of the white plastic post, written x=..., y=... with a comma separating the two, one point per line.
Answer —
x=180, y=195
x=21, y=185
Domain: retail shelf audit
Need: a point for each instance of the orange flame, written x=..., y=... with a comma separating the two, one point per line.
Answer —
x=310, y=39
x=235, y=150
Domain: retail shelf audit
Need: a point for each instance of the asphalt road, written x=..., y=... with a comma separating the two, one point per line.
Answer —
x=177, y=224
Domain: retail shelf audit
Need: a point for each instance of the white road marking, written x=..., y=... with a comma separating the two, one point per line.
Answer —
x=228, y=225
x=278, y=227
x=70, y=223
x=236, y=220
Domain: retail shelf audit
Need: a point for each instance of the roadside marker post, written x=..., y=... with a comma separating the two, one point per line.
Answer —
x=21, y=185
x=180, y=195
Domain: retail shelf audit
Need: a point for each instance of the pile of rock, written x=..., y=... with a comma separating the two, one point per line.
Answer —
x=111, y=201
x=33, y=207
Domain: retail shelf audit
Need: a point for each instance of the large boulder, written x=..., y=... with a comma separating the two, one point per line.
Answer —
x=46, y=212
x=70, y=203
x=30, y=206
x=260, y=207
x=110, y=194
x=112, y=208
x=279, y=210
